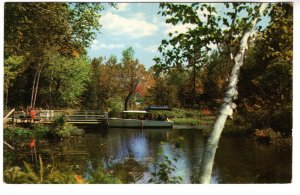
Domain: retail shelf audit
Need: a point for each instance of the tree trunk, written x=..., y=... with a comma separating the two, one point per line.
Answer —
x=37, y=86
x=33, y=88
x=6, y=99
x=50, y=90
x=127, y=100
x=99, y=94
x=196, y=56
x=226, y=107
x=194, y=83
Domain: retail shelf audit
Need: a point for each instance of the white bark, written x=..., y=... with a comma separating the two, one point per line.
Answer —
x=226, y=107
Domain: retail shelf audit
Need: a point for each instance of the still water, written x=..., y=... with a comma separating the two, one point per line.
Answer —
x=237, y=160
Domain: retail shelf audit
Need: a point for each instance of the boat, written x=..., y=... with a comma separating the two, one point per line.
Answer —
x=139, y=119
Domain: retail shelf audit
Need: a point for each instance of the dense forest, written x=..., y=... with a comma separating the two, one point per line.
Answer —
x=46, y=63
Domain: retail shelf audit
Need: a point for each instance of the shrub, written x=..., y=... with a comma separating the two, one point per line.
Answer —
x=28, y=175
x=17, y=134
x=59, y=120
x=40, y=131
x=99, y=176
x=266, y=135
x=164, y=173
x=68, y=130
x=61, y=129
x=282, y=121
x=279, y=120
x=49, y=174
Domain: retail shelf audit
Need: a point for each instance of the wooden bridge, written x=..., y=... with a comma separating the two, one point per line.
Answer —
x=80, y=118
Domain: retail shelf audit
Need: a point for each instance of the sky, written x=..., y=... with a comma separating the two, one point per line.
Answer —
x=135, y=25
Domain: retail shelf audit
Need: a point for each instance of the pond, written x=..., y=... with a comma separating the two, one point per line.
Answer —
x=238, y=160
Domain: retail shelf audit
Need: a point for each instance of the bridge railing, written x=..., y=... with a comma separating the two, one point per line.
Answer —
x=70, y=115
x=85, y=117
x=10, y=115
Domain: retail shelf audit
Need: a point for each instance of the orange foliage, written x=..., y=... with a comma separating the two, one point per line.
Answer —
x=140, y=90
x=144, y=87
x=79, y=179
x=206, y=111
x=75, y=53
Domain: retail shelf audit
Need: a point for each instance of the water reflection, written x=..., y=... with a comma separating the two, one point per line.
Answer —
x=244, y=161
x=237, y=160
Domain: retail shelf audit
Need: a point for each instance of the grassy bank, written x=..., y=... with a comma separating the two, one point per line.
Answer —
x=236, y=127
x=187, y=116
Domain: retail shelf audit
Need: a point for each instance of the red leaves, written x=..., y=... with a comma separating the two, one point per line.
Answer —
x=260, y=133
x=206, y=111
x=140, y=90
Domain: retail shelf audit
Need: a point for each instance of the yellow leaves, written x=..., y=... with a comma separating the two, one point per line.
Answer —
x=75, y=53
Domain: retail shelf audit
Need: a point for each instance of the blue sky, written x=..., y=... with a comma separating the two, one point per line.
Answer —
x=134, y=25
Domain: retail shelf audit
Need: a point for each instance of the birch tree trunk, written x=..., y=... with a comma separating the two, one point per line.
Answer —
x=227, y=105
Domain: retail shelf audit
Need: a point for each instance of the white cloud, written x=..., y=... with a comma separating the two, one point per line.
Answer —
x=152, y=48
x=135, y=27
x=97, y=45
x=183, y=28
x=139, y=16
x=111, y=46
x=137, y=45
x=157, y=20
x=180, y=28
x=212, y=46
x=122, y=6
